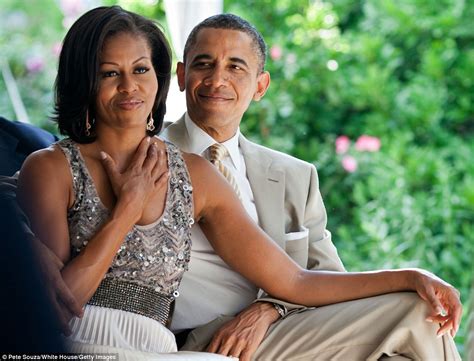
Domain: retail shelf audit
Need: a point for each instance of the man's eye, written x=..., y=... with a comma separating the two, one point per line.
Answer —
x=202, y=65
x=236, y=67
x=109, y=74
x=141, y=70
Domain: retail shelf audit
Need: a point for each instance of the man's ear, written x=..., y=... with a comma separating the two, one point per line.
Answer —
x=180, y=73
x=263, y=82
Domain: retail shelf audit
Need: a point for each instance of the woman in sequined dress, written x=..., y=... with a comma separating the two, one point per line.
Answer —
x=116, y=205
x=113, y=202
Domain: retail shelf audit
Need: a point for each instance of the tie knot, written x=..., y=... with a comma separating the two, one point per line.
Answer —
x=217, y=152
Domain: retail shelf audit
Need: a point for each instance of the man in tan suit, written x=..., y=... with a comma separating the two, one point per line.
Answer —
x=222, y=72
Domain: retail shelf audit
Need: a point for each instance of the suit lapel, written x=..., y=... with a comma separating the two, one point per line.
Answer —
x=267, y=185
x=177, y=134
x=267, y=182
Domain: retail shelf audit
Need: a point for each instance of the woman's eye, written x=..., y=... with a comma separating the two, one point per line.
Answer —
x=109, y=74
x=141, y=70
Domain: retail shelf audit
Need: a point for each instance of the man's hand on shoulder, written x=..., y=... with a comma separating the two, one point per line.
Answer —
x=241, y=336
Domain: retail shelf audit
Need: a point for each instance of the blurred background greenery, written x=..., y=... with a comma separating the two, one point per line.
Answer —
x=399, y=71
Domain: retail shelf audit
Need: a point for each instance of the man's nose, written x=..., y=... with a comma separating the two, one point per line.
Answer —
x=217, y=77
x=127, y=84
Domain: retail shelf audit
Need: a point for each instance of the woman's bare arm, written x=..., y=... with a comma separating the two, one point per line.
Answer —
x=247, y=249
x=45, y=191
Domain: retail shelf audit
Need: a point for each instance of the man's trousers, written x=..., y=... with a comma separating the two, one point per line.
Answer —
x=392, y=325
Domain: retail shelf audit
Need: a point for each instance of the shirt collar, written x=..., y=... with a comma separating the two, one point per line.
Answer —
x=200, y=141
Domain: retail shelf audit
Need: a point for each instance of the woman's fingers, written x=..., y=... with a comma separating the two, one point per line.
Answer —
x=457, y=317
x=151, y=158
x=445, y=301
x=109, y=165
x=446, y=327
x=450, y=319
x=455, y=309
x=437, y=319
x=434, y=302
x=143, y=179
x=161, y=166
x=141, y=153
x=157, y=164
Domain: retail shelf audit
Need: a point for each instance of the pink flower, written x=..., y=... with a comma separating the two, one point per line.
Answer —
x=56, y=49
x=342, y=144
x=275, y=52
x=71, y=10
x=366, y=143
x=34, y=64
x=349, y=163
x=71, y=7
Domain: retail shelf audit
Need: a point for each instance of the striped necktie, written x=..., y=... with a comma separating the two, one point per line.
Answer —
x=217, y=153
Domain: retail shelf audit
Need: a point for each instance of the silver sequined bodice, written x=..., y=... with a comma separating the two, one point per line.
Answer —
x=154, y=256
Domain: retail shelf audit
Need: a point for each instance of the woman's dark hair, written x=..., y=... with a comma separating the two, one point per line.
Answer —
x=77, y=80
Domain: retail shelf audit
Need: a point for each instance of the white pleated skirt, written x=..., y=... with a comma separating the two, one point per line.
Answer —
x=104, y=326
x=129, y=335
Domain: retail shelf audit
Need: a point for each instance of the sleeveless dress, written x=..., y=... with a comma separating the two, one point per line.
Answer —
x=133, y=304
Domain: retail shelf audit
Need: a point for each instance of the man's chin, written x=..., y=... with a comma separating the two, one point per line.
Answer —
x=212, y=110
x=214, y=105
x=212, y=116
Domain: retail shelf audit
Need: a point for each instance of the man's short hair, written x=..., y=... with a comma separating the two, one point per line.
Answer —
x=230, y=22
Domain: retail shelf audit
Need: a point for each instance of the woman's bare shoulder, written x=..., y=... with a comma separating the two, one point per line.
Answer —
x=44, y=160
x=199, y=168
x=48, y=169
x=194, y=160
x=205, y=181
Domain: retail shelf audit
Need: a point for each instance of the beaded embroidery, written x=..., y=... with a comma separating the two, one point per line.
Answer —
x=154, y=256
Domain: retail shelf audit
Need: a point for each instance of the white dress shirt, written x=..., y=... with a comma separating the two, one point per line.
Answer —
x=210, y=288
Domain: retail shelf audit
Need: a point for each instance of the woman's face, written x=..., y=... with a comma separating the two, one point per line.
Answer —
x=127, y=82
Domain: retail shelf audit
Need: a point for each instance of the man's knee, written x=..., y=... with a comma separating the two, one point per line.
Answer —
x=414, y=303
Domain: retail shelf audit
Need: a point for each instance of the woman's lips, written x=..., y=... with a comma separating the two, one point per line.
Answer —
x=130, y=104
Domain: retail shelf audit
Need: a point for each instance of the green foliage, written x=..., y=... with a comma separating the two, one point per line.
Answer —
x=30, y=40
x=30, y=48
x=406, y=206
x=399, y=70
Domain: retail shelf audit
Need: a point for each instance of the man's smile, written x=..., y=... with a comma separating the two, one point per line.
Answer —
x=215, y=97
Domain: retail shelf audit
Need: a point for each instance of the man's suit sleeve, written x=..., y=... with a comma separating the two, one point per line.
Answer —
x=322, y=254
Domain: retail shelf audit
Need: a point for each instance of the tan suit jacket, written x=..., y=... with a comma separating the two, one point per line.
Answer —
x=287, y=199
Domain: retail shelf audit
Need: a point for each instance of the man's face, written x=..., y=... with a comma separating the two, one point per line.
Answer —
x=221, y=78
